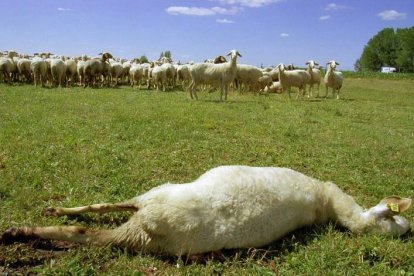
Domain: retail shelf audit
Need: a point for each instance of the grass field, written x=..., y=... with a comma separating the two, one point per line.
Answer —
x=69, y=147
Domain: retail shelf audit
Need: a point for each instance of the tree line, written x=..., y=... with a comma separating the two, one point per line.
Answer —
x=389, y=47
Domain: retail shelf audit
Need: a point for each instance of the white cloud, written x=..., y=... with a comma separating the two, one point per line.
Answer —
x=392, y=15
x=324, y=17
x=334, y=7
x=201, y=11
x=64, y=9
x=284, y=35
x=248, y=3
x=224, y=21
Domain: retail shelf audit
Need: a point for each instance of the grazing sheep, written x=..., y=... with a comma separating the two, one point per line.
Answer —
x=264, y=81
x=136, y=74
x=58, y=70
x=71, y=70
x=296, y=78
x=227, y=207
x=80, y=67
x=96, y=68
x=315, y=76
x=146, y=67
x=39, y=69
x=274, y=73
x=247, y=77
x=159, y=77
x=275, y=87
x=183, y=75
x=215, y=74
x=170, y=72
x=126, y=65
x=24, y=68
x=116, y=71
x=333, y=79
x=8, y=66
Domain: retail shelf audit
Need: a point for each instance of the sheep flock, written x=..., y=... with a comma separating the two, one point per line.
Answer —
x=48, y=70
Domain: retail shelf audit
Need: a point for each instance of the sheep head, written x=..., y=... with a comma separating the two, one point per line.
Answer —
x=386, y=216
x=106, y=56
x=311, y=63
x=332, y=64
x=12, y=54
x=234, y=54
x=281, y=67
x=220, y=59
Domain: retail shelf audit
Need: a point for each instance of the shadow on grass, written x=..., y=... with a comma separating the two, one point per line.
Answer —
x=19, y=257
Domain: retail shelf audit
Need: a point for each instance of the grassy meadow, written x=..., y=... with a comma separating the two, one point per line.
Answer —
x=75, y=146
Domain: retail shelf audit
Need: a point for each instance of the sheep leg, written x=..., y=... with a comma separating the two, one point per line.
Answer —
x=193, y=90
x=95, y=208
x=64, y=233
x=221, y=92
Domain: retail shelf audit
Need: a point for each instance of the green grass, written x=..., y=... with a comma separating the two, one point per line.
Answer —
x=69, y=147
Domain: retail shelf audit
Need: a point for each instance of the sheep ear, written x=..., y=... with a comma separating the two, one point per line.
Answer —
x=317, y=64
x=397, y=204
x=229, y=54
x=336, y=63
x=239, y=54
x=307, y=63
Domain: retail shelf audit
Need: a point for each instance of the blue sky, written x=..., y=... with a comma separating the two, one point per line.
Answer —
x=266, y=32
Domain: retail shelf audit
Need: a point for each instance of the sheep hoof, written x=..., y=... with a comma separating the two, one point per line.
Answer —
x=52, y=212
x=13, y=235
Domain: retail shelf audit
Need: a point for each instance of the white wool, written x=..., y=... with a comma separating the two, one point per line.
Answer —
x=333, y=79
x=227, y=207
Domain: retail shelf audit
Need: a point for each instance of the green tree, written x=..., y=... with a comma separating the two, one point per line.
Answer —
x=381, y=50
x=166, y=54
x=389, y=48
x=405, y=53
x=143, y=59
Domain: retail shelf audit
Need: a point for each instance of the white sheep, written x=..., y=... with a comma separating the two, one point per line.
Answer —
x=333, y=79
x=275, y=87
x=159, y=77
x=315, y=76
x=295, y=78
x=71, y=70
x=116, y=71
x=39, y=69
x=227, y=207
x=80, y=66
x=136, y=74
x=127, y=67
x=58, y=71
x=24, y=68
x=247, y=77
x=264, y=81
x=8, y=66
x=183, y=75
x=215, y=74
x=171, y=73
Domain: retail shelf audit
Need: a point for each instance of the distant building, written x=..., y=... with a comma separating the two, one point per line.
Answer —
x=388, y=70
